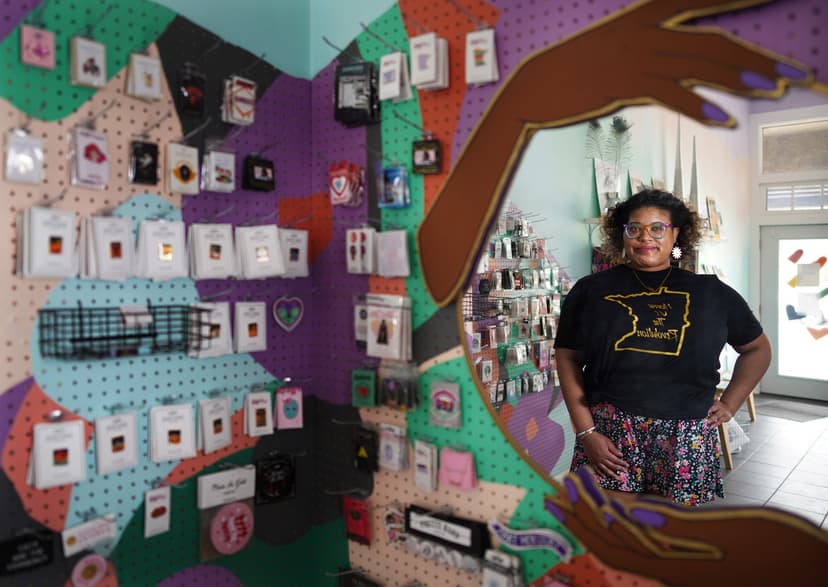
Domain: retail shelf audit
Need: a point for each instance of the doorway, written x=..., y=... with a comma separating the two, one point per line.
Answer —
x=793, y=301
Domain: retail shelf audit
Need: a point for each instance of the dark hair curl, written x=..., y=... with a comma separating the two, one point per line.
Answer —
x=681, y=217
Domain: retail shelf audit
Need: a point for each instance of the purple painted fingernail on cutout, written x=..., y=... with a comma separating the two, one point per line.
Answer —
x=556, y=511
x=713, y=112
x=790, y=72
x=571, y=490
x=589, y=485
x=609, y=518
x=757, y=81
x=648, y=517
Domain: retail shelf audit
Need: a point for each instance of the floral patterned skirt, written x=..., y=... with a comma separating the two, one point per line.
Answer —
x=678, y=459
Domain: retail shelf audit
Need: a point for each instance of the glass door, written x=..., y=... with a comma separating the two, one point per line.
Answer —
x=794, y=306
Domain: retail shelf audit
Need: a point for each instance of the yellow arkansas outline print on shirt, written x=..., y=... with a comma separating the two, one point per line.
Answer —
x=664, y=313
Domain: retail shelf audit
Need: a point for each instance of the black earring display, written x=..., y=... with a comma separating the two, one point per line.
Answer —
x=356, y=94
x=427, y=157
x=191, y=90
x=275, y=479
x=143, y=163
x=259, y=174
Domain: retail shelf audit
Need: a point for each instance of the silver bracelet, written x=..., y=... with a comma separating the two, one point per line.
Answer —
x=584, y=433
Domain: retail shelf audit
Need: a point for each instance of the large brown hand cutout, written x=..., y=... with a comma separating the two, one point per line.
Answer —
x=690, y=546
x=642, y=54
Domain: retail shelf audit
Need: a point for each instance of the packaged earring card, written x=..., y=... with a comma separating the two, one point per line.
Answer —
x=212, y=251
x=24, y=157
x=143, y=163
x=392, y=253
x=37, y=47
x=481, y=57
x=87, y=62
x=289, y=413
x=346, y=183
x=394, y=81
x=295, y=250
x=250, y=327
x=259, y=174
x=239, y=103
x=144, y=77
x=46, y=243
x=182, y=169
x=389, y=326
x=172, y=432
x=259, y=249
x=395, y=190
x=58, y=454
x=191, y=90
x=116, y=442
x=218, y=172
x=214, y=425
x=90, y=158
x=356, y=96
x=216, y=337
x=258, y=413
x=161, y=250
x=107, y=248
x=429, y=62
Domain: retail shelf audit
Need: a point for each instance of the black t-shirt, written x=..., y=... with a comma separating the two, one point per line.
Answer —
x=653, y=354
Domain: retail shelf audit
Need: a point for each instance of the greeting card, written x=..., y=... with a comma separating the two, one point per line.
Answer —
x=289, y=408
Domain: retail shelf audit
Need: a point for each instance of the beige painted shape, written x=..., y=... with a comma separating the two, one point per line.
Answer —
x=20, y=299
x=393, y=565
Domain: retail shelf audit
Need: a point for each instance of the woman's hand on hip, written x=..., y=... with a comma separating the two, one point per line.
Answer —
x=719, y=413
x=604, y=455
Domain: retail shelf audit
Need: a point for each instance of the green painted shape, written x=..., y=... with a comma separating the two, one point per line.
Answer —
x=129, y=26
x=141, y=562
x=397, y=136
x=495, y=459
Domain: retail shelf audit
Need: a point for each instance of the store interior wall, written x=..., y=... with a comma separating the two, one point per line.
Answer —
x=295, y=108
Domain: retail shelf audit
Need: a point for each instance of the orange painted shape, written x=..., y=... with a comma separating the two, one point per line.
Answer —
x=506, y=411
x=387, y=285
x=191, y=467
x=531, y=429
x=47, y=506
x=440, y=110
x=818, y=333
x=314, y=214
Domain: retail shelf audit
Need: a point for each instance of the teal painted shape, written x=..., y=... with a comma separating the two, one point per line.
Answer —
x=99, y=388
x=124, y=27
x=495, y=459
x=140, y=562
x=401, y=126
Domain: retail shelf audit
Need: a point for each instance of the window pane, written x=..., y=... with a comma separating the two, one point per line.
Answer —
x=795, y=147
x=779, y=197
x=796, y=197
x=808, y=197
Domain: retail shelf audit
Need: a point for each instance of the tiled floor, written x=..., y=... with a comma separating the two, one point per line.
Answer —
x=785, y=465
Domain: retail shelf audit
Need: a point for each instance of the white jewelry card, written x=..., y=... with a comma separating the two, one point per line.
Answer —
x=109, y=251
x=360, y=250
x=250, y=326
x=24, y=157
x=289, y=413
x=157, y=504
x=425, y=465
x=216, y=335
x=182, y=166
x=47, y=243
x=58, y=454
x=90, y=167
x=295, y=250
x=212, y=251
x=481, y=57
x=258, y=413
x=444, y=404
x=116, y=442
x=88, y=534
x=393, y=447
x=162, y=253
x=260, y=251
x=239, y=103
x=389, y=76
x=215, y=427
x=172, y=433
x=423, y=59
x=392, y=253
x=218, y=172
x=87, y=62
x=144, y=77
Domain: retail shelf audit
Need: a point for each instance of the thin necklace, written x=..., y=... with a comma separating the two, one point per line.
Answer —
x=647, y=287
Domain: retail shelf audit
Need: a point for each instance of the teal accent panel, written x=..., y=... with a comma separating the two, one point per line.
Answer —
x=278, y=30
x=124, y=27
x=495, y=459
x=94, y=389
x=141, y=562
x=401, y=125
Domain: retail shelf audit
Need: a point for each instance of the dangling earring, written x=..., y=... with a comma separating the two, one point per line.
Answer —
x=676, y=252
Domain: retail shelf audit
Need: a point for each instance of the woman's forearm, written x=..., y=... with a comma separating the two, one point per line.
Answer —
x=571, y=377
x=748, y=370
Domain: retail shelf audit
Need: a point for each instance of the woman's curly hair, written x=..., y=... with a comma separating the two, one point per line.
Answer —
x=681, y=217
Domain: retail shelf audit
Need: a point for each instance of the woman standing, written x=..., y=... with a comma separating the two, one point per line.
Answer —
x=637, y=353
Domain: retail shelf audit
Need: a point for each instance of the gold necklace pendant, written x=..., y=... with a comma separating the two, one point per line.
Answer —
x=653, y=289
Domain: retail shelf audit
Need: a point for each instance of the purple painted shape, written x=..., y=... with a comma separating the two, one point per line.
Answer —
x=202, y=575
x=281, y=130
x=333, y=298
x=10, y=403
x=789, y=28
x=547, y=445
x=13, y=13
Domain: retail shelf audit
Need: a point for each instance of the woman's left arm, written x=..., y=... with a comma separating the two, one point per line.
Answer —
x=754, y=359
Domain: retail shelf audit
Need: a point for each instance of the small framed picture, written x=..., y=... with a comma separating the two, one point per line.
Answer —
x=427, y=157
x=486, y=371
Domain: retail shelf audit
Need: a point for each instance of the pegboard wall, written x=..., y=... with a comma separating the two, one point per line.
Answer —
x=295, y=128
